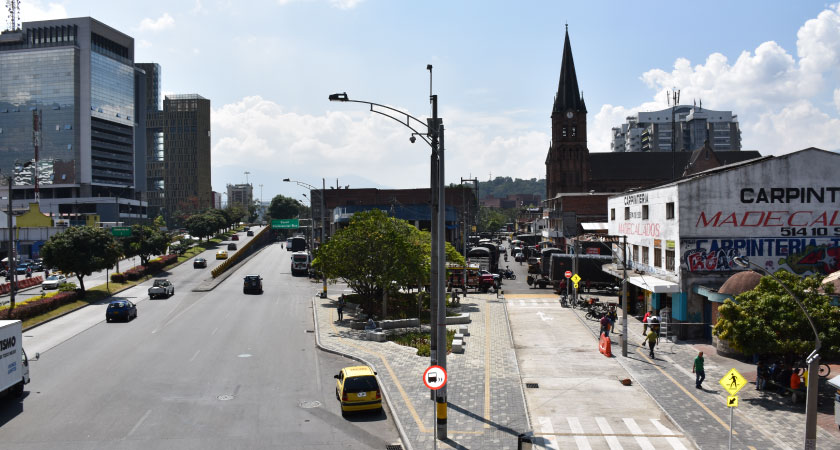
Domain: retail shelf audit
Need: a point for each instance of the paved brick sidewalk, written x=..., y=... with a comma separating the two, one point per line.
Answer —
x=763, y=420
x=486, y=402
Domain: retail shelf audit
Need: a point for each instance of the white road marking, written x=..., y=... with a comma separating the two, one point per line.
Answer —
x=545, y=427
x=214, y=331
x=544, y=317
x=139, y=422
x=675, y=443
x=635, y=429
x=577, y=428
x=607, y=430
x=196, y=354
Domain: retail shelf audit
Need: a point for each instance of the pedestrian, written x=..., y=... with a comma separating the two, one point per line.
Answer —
x=645, y=322
x=760, y=375
x=46, y=272
x=341, y=304
x=605, y=325
x=651, y=340
x=698, y=370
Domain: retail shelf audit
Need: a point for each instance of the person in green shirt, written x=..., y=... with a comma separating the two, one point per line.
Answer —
x=651, y=340
x=698, y=370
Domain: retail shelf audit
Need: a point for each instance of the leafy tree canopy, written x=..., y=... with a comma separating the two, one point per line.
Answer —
x=145, y=241
x=501, y=187
x=766, y=320
x=81, y=250
x=283, y=207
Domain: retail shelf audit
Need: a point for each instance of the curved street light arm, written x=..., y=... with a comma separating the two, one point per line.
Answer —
x=394, y=114
x=302, y=184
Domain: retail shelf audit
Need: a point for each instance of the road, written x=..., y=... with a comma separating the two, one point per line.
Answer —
x=202, y=370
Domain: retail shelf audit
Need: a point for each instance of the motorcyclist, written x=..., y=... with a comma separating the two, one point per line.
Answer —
x=28, y=272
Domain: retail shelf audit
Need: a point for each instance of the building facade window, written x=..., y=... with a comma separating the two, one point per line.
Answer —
x=669, y=260
x=645, y=257
x=612, y=213
x=645, y=212
x=669, y=210
x=635, y=253
x=657, y=257
x=626, y=213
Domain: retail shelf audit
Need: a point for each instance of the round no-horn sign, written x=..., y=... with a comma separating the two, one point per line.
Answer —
x=434, y=377
x=568, y=274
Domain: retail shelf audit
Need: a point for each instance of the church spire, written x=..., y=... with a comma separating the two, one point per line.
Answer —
x=568, y=95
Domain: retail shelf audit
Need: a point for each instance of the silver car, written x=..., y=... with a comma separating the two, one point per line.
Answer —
x=54, y=282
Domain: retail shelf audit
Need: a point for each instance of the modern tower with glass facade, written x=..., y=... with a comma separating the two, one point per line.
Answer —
x=69, y=127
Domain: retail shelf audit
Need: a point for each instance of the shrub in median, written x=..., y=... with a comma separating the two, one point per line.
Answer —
x=37, y=307
x=118, y=277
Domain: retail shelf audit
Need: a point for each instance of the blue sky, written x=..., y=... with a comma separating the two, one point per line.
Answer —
x=268, y=67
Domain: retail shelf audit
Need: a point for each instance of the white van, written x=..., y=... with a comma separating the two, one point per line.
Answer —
x=300, y=263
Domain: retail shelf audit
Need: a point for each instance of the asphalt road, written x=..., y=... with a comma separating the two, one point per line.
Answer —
x=200, y=370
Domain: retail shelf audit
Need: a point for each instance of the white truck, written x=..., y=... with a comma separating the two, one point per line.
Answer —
x=300, y=263
x=14, y=366
x=161, y=288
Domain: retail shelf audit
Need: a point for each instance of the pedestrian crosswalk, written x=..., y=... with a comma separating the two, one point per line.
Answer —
x=613, y=433
x=533, y=302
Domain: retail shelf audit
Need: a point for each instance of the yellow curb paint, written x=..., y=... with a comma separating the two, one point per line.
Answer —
x=689, y=394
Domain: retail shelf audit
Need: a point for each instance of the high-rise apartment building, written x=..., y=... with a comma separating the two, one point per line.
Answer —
x=651, y=131
x=69, y=119
x=240, y=194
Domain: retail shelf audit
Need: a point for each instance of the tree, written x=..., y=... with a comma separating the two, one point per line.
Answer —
x=81, y=250
x=282, y=207
x=237, y=213
x=766, y=320
x=201, y=225
x=145, y=241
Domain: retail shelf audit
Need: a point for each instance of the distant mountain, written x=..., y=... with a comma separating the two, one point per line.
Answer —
x=501, y=187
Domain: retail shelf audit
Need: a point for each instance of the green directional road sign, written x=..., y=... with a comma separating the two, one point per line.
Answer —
x=284, y=224
x=121, y=231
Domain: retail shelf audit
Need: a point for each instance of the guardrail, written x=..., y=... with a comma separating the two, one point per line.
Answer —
x=239, y=254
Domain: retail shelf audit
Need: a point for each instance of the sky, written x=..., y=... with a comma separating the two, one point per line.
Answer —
x=269, y=66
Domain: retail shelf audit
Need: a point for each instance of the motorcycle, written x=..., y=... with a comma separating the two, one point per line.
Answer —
x=508, y=274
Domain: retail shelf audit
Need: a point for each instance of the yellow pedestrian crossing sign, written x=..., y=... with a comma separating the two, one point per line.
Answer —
x=732, y=401
x=576, y=278
x=733, y=382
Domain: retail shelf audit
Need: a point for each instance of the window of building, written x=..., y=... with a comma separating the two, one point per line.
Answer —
x=612, y=213
x=626, y=213
x=645, y=256
x=669, y=260
x=644, y=212
x=635, y=253
x=564, y=131
x=669, y=210
x=657, y=257
x=574, y=131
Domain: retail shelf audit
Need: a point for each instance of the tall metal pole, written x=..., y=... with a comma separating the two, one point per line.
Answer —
x=441, y=247
x=624, y=335
x=323, y=231
x=12, y=256
x=433, y=272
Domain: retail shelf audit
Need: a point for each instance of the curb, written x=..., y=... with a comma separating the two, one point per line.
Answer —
x=400, y=430
x=689, y=437
x=516, y=362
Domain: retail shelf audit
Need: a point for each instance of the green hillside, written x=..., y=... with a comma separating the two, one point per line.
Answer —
x=504, y=186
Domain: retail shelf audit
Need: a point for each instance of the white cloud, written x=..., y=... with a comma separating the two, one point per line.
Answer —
x=31, y=11
x=161, y=23
x=772, y=91
x=142, y=43
x=837, y=99
x=198, y=8
x=340, y=4
x=255, y=132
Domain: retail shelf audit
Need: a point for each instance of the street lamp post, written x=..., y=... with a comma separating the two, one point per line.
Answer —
x=813, y=361
x=323, y=221
x=434, y=136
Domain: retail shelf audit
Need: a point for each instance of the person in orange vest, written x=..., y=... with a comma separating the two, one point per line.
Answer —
x=795, y=381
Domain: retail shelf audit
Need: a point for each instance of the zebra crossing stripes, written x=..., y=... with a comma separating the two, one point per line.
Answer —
x=616, y=433
x=539, y=302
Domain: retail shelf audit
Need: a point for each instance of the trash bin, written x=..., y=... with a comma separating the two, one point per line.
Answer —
x=525, y=441
x=835, y=383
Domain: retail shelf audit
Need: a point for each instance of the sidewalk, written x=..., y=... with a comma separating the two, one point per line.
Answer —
x=763, y=420
x=486, y=402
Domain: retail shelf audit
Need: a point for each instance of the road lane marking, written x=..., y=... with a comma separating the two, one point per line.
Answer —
x=193, y=356
x=675, y=443
x=139, y=422
x=577, y=431
x=689, y=394
x=634, y=428
x=486, y=365
x=548, y=429
x=605, y=427
x=214, y=331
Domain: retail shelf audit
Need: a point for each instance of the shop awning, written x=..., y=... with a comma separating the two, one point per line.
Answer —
x=646, y=282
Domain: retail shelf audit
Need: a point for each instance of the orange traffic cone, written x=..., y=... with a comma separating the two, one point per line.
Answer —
x=607, y=347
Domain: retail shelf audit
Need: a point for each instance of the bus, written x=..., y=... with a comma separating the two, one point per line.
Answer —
x=296, y=244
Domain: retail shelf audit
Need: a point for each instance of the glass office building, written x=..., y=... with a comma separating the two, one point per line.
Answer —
x=76, y=78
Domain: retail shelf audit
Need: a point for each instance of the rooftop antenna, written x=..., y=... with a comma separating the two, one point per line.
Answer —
x=13, y=6
x=246, y=176
x=676, y=98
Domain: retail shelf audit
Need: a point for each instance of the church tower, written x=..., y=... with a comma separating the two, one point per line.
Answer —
x=567, y=163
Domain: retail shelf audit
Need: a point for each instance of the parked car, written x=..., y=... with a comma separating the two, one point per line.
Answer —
x=162, y=288
x=232, y=246
x=249, y=233
x=20, y=269
x=121, y=309
x=235, y=237
x=356, y=389
x=253, y=283
x=37, y=265
x=221, y=254
x=199, y=262
x=54, y=282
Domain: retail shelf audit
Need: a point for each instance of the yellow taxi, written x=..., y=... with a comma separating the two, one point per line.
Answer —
x=221, y=254
x=357, y=389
